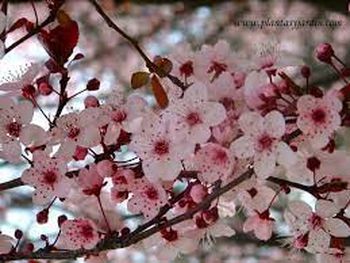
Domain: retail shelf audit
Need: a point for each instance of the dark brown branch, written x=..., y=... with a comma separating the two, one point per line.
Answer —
x=11, y=184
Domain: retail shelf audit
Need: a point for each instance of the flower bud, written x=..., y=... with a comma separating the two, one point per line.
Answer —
x=42, y=216
x=305, y=71
x=91, y=102
x=198, y=193
x=324, y=52
x=45, y=88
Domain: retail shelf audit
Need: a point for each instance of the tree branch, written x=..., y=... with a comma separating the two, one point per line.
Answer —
x=149, y=64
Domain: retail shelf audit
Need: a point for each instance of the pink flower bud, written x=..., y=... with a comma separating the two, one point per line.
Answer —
x=45, y=88
x=305, y=71
x=198, y=193
x=239, y=79
x=105, y=168
x=42, y=216
x=93, y=84
x=91, y=102
x=324, y=52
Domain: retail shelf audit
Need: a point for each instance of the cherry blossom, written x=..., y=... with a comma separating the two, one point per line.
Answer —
x=195, y=114
x=319, y=225
x=78, y=233
x=147, y=198
x=170, y=242
x=319, y=117
x=212, y=61
x=79, y=129
x=48, y=178
x=17, y=82
x=261, y=140
x=261, y=224
x=213, y=162
x=90, y=181
x=15, y=128
x=161, y=149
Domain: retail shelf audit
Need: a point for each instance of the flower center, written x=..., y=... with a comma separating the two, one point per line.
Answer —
x=265, y=142
x=220, y=156
x=186, y=69
x=87, y=231
x=13, y=129
x=193, y=119
x=318, y=116
x=169, y=235
x=217, y=68
x=151, y=193
x=73, y=132
x=118, y=115
x=315, y=221
x=161, y=147
x=50, y=177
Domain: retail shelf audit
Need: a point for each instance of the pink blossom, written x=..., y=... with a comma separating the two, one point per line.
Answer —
x=212, y=61
x=78, y=233
x=21, y=79
x=48, y=178
x=147, y=198
x=90, y=181
x=15, y=128
x=213, y=162
x=123, y=181
x=262, y=140
x=161, y=149
x=261, y=224
x=319, y=224
x=319, y=117
x=195, y=114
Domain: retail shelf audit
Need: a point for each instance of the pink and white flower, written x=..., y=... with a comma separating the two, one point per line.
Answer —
x=48, y=178
x=319, y=117
x=160, y=149
x=195, y=114
x=262, y=140
x=319, y=225
x=147, y=198
x=212, y=61
x=260, y=224
x=212, y=161
x=78, y=233
x=15, y=127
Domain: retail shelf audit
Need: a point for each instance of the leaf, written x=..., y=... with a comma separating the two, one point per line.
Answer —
x=60, y=41
x=159, y=92
x=139, y=79
x=164, y=65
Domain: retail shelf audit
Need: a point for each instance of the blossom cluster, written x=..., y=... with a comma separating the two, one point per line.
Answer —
x=228, y=116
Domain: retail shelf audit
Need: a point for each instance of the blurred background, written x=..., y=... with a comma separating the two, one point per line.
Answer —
x=160, y=27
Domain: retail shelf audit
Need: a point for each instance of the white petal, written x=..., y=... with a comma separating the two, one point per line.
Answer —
x=33, y=135
x=274, y=124
x=112, y=134
x=213, y=113
x=26, y=110
x=196, y=93
x=243, y=147
x=300, y=209
x=326, y=209
x=166, y=170
x=251, y=123
x=336, y=227
x=285, y=155
x=264, y=164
